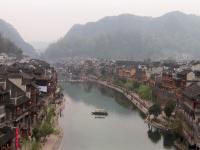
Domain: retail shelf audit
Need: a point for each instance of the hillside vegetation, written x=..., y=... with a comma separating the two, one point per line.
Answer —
x=128, y=36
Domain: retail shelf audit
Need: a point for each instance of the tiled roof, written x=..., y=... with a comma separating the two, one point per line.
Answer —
x=16, y=92
x=184, y=72
x=26, y=76
x=193, y=91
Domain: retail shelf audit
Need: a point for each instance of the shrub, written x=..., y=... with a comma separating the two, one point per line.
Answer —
x=35, y=145
x=129, y=84
x=145, y=92
x=169, y=108
x=46, y=128
x=155, y=110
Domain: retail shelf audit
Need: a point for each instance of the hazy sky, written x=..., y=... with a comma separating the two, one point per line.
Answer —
x=48, y=20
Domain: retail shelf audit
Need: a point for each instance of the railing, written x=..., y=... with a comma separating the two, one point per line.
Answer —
x=16, y=100
x=21, y=115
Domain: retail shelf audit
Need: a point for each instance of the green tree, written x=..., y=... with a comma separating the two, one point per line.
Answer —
x=155, y=110
x=129, y=84
x=136, y=85
x=177, y=126
x=169, y=108
x=119, y=81
x=35, y=145
x=46, y=129
x=36, y=133
x=50, y=114
x=145, y=92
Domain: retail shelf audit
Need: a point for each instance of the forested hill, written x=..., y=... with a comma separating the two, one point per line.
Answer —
x=10, y=33
x=174, y=34
x=8, y=47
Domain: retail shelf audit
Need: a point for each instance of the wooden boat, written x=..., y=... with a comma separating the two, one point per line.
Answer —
x=100, y=112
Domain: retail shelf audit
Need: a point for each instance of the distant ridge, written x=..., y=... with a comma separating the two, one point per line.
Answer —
x=174, y=35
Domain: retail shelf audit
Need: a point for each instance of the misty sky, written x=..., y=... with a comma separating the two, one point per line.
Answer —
x=48, y=20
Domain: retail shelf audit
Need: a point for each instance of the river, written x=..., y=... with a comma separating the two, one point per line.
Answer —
x=122, y=129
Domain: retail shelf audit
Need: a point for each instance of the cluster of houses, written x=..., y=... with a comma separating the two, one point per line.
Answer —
x=5, y=59
x=179, y=82
x=169, y=80
x=26, y=88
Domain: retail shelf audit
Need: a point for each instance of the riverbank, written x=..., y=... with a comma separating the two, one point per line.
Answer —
x=82, y=131
x=141, y=104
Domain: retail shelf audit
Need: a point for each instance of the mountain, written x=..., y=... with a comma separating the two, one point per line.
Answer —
x=174, y=34
x=9, y=32
x=8, y=47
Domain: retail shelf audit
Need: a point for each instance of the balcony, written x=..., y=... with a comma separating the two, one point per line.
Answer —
x=18, y=100
x=21, y=115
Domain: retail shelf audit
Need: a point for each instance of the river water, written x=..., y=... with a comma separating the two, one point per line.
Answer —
x=122, y=129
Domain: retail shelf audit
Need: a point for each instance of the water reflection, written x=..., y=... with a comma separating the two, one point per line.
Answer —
x=87, y=87
x=168, y=139
x=123, y=129
x=85, y=93
x=118, y=97
x=154, y=135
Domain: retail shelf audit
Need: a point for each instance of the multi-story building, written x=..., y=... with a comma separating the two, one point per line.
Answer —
x=6, y=133
x=186, y=77
x=191, y=111
x=126, y=72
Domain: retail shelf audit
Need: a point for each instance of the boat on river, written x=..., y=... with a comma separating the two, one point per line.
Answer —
x=100, y=112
